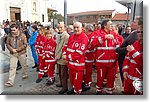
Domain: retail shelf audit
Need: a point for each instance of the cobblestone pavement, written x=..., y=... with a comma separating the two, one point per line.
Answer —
x=29, y=87
x=42, y=89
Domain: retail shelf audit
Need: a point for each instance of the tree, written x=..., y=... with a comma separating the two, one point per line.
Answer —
x=59, y=17
x=53, y=15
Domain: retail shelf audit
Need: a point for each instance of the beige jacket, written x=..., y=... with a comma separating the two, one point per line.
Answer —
x=61, y=40
x=19, y=43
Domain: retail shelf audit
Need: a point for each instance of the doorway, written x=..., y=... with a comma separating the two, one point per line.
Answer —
x=15, y=14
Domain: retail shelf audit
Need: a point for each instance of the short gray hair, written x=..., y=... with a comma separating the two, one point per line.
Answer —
x=89, y=27
x=70, y=27
x=78, y=23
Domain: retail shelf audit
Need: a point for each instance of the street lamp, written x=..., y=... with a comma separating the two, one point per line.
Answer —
x=65, y=12
x=128, y=6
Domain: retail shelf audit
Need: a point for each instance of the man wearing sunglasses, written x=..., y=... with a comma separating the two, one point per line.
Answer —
x=16, y=43
x=122, y=51
x=133, y=66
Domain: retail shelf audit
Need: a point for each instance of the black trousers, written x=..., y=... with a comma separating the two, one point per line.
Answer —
x=63, y=75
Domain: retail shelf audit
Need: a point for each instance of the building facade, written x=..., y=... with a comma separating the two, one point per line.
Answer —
x=23, y=10
x=90, y=16
x=135, y=8
x=120, y=18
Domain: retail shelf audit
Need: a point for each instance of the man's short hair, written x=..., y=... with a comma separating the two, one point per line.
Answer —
x=89, y=27
x=79, y=23
x=104, y=23
x=35, y=27
x=128, y=26
x=14, y=25
x=70, y=27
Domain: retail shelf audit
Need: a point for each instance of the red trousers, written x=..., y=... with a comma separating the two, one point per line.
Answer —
x=88, y=74
x=105, y=72
x=51, y=68
x=42, y=67
x=129, y=89
x=76, y=78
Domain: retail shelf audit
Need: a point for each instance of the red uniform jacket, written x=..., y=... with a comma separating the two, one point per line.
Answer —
x=90, y=53
x=75, y=51
x=120, y=39
x=105, y=54
x=49, y=51
x=40, y=40
x=133, y=63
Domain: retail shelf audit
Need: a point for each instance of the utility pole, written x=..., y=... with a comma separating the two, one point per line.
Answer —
x=65, y=12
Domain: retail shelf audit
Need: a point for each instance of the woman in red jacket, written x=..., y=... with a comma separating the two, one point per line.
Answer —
x=49, y=56
x=40, y=40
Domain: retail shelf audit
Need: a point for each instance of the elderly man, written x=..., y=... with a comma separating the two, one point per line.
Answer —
x=70, y=29
x=75, y=58
x=61, y=40
x=16, y=44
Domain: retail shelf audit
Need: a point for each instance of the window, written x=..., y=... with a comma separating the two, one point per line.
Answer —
x=76, y=18
x=88, y=17
x=94, y=16
x=34, y=7
x=42, y=17
x=80, y=17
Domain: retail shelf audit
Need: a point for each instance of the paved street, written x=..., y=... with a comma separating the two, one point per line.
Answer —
x=28, y=86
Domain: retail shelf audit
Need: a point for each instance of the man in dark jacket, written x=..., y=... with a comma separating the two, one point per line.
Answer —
x=127, y=32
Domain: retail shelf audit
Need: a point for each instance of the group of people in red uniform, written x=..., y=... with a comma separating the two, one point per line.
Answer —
x=45, y=48
x=85, y=49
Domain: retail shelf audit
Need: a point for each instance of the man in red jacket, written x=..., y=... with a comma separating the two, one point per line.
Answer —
x=75, y=57
x=133, y=66
x=106, y=42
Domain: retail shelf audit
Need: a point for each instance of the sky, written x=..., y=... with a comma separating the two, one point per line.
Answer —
x=75, y=6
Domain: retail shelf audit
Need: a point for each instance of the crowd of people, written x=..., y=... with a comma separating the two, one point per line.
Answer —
x=74, y=50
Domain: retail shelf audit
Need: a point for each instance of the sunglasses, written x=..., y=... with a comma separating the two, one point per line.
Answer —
x=139, y=31
x=13, y=30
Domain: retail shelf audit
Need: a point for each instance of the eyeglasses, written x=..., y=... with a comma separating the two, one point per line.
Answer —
x=139, y=31
x=76, y=27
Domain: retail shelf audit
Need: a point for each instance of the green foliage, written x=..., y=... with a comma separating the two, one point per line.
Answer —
x=53, y=15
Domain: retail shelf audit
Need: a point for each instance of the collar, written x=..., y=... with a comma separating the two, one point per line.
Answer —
x=60, y=35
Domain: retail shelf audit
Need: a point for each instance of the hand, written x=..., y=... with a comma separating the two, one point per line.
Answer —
x=43, y=57
x=56, y=58
x=109, y=36
x=36, y=53
x=64, y=57
x=125, y=74
x=66, y=61
x=14, y=50
x=130, y=48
